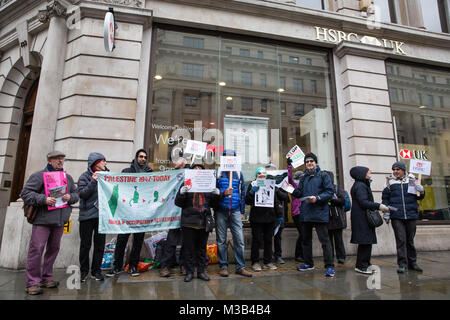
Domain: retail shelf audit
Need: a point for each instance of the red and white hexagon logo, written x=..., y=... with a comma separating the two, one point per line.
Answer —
x=405, y=154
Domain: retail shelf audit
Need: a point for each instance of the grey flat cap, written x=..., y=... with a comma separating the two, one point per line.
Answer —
x=54, y=154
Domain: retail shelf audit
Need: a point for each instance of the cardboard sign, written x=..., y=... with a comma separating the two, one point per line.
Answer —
x=297, y=156
x=230, y=163
x=420, y=167
x=200, y=180
x=195, y=147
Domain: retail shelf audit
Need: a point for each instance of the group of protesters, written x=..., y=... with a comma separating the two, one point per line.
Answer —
x=316, y=202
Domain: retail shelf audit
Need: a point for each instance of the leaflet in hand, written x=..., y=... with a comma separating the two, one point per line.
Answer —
x=287, y=187
x=55, y=185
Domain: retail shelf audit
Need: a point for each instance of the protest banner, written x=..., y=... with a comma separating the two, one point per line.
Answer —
x=55, y=186
x=297, y=156
x=138, y=202
x=200, y=180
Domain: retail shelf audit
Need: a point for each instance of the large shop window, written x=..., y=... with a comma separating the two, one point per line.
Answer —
x=420, y=100
x=252, y=97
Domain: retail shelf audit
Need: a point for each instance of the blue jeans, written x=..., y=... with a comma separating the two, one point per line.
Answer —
x=234, y=222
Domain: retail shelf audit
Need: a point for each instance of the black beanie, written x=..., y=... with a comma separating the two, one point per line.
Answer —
x=399, y=165
x=311, y=156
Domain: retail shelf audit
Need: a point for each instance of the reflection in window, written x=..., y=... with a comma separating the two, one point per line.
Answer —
x=229, y=76
x=246, y=104
x=244, y=52
x=192, y=70
x=283, y=107
x=260, y=54
x=193, y=42
x=435, y=15
x=313, y=86
x=298, y=85
x=313, y=4
x=294, y=60
x=308, y=62
x=264, y=105
x=246, y=78
x=385, y=11
x=190, y=101
x=299, y=109
x=229, y=104
x=263, y=80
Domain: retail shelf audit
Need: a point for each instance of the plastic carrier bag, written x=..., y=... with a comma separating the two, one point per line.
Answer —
x=108, y=255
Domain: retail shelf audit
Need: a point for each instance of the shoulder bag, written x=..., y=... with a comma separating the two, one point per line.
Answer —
x=374, y=218
x=29, y=211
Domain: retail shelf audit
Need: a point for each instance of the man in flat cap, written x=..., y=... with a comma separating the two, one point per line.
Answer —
x=48, y=224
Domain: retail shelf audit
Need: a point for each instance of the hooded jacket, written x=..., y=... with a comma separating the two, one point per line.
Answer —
x=396, y=194
x=362, y=199
x=338, y=217
x=318, y=184
x=33, y=193
x=87, y=189
x=135, y=167
x=238, y=185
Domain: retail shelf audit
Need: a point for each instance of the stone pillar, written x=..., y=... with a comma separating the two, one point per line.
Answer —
x=49, y=90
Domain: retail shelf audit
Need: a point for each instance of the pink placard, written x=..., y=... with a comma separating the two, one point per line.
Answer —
x=55, y=184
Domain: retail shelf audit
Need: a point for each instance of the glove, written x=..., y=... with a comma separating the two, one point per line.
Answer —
x=184, y=189
x=384, y=208
x=420, y=188
x=254, y=189
x=216, y=191
x=280, y=220
x=289, y=161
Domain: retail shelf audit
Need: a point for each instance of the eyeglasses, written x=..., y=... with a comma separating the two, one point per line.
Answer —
x=309, y=161
x=144, y=157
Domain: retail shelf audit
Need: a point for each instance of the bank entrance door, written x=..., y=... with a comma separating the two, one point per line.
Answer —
x=24, y=141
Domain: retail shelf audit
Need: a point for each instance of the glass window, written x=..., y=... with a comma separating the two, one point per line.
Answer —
x=228, y=50
x=195, y=99
x=260, y=54
x=244, y=52
x=193, y=42
x=313, y=4
x=435, y=15
x=294, y=60
x=308, y=62
x=313, y=86
x=425, y=132
x=384, y=11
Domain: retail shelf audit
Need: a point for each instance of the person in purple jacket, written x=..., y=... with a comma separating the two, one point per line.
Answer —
x=295, y=209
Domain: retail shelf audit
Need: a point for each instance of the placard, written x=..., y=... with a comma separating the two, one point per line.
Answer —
x=420, y=167
x=200, y=180
x=265, y=196
x=195, y=147
x=297, y=156
x=230, y=163
x=55, y=186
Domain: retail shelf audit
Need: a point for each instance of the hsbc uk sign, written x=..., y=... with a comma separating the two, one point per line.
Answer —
x=414, y=154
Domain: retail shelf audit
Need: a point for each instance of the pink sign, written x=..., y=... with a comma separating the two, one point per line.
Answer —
x=55, y=184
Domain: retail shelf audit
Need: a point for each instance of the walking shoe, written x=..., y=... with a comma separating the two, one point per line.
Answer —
x=112, y=272
x=401, y=269
x=279, y=260
x=49, y=284
x=34, y=290
x=415, y=267
x=363, y=271
x=270, y=266
x=305, y=267
x=188, y=277
x=98, y=276
x=203, y=276
x=84, y=276
x=329, y=272
x=223, y=272
x=134, y=272
x=244, y=272
x=256, y=267
x=164, y=272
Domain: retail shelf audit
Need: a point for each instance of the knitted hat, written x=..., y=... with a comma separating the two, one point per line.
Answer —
x=258, y=170
x=399, y=165
x=311, y=156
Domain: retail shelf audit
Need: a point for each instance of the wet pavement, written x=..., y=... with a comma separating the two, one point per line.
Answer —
x=285, y=283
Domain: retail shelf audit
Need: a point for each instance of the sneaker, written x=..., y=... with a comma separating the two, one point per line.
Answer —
x=112, y=272
x=134, y=272
x=84, y=276
x=98, y=276
x=256, y=267
x=34, y=290
x=270, y=266
x=401, y=269
x=223, y=272
x=49, y=284
x=415, y=267
x=363, y=271
x=305, y=267
x=244, y=272
x=329, y=272
x=164, y=272
x=279, y=260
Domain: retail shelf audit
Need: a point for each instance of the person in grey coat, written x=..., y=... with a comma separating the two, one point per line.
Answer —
x=48, y=225
x=88, y=218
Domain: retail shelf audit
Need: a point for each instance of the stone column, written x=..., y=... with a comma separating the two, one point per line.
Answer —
x=49, y=90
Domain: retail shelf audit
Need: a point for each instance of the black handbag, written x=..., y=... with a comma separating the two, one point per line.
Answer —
x=210, y=223
x=374, y=218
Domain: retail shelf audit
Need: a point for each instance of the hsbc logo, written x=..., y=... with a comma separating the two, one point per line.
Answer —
x=416, y=154
x=405, y=154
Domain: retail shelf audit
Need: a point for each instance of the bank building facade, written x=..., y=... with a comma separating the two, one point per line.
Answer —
x=356, y=82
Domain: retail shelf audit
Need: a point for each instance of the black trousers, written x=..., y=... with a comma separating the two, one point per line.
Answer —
x=363, y=255
x=262, y=234
x=195, y=241
x=299, y=243
x=337, y=243
x=322, y=233
x=121, y=244
x=277, y=252
x=174, y=237
x=89, y=230
x=405, y=231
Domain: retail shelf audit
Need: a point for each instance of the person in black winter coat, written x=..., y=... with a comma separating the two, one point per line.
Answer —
x=88, y=218
x=362, y=234
x=138, y=165
x=262, y=222
x=337, y=221
x=404, y=219
x=196, y=206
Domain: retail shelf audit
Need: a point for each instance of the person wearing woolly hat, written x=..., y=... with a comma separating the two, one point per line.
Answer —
x=396, y=194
